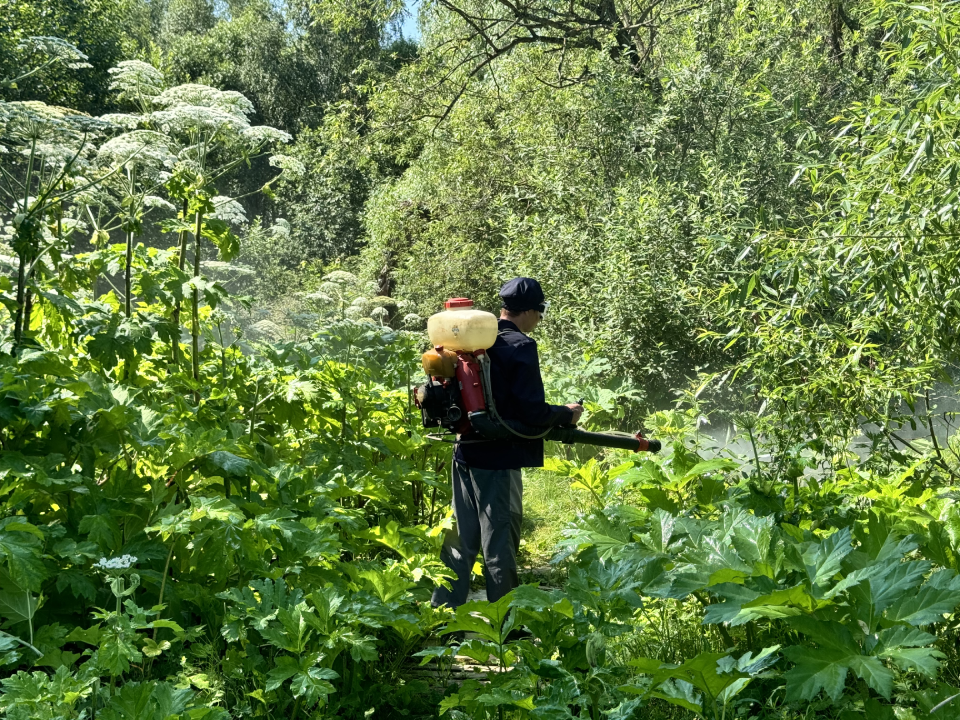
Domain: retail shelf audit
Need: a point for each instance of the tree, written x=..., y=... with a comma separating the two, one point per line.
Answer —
x=845, y=319
x=47, y=163
x=97, y=28
x=287, y=61
x=608, y=190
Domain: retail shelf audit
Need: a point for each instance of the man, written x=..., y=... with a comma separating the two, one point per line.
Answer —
x=487, y=483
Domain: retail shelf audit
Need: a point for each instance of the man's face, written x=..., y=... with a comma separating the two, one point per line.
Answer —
x=529, y=319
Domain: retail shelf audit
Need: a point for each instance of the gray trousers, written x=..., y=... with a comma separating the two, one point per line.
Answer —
x=487, y=505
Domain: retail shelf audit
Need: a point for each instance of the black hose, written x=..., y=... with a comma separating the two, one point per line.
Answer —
x=493, y=427
x=525, y=432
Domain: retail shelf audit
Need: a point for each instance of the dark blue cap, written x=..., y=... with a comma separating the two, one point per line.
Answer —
x=521, y=294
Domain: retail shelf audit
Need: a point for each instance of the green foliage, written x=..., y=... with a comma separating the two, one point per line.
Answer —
x=243, y=502
x=251, y=532
x=605, y=179
x=854, y=606
x=846, y=317
x=104, y=31
x=255, y=52
x=759, y=191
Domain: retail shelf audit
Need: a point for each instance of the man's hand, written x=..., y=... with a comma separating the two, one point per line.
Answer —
x=577, y=412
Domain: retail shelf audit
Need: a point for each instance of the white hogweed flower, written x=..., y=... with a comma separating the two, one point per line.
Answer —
x=122, y=120
x=194, y=95
x=136, y=80
x=152, y=201
x=144, y=148
x=55, y=47
x=228, y=210
x=199, y=118
x=32, y=121
x=54, y=154
x=260, y=135
x=341, y=277
x=124, y=562
x=287, y=163
x=280, y=228
x=412, y=321
x=71, y=224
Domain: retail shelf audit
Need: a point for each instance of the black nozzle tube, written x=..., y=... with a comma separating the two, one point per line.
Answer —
x=491, y=429
x=566, y=434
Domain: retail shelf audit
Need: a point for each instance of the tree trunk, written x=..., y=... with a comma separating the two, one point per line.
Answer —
x=128, y=277
x=128, y=270
x=182, y=261
x=195, y=329
x=21, y=292
x=24, y=242
x=27, y=310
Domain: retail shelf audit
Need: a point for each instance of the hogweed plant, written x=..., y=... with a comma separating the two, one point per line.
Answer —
x=212, y=135
x=46, y=162
x=145, y=161
x=47, y=51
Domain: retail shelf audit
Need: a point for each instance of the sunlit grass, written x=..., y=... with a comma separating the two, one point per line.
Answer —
x=548, y=505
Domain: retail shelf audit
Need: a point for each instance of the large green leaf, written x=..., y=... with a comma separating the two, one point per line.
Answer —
x=133, y=700
x=939, y=703
x=777, y=605
x=17, y=607
x=679, y=693
x=501, y=696
x=218, y=232
x=815, y=670
x=939, y=595
x=16, y=604
x=752, y=537
x=231, y=464
x=734, y=596
x=116, y=653
x=661, y=531
x=388, y=585
x=939, y=547
x=312, y=683
x=20, y=550
x=466, y=622
x=705, y=672
x=924, y=660
x=900, y=581
x=821, y=561
x=285, y=669
x=904, y=636
x=709, y=466
x=489, y=620
x=103, y=530
x=873, y=672
x=826, y=633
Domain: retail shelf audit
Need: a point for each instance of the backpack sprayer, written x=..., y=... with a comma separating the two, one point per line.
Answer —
x=458, y=397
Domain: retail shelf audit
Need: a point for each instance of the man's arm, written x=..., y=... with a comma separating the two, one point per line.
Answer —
x=527, y=389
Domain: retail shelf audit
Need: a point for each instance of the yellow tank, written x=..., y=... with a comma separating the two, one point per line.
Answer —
x=439, y=362
x=460, y=327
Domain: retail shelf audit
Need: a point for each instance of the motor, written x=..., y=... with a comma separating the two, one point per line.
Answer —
x=457, y=395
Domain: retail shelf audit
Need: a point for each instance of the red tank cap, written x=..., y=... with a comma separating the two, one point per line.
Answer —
x=453, y=303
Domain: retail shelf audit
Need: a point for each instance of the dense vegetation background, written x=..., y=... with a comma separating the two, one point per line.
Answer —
x=222, y=226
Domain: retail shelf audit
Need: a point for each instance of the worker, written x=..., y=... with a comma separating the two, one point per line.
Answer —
x=487, y=482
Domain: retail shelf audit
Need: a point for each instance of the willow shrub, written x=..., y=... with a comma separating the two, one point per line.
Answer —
x=852, y=318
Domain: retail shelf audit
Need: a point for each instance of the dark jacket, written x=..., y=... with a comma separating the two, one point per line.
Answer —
x=518, y=393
